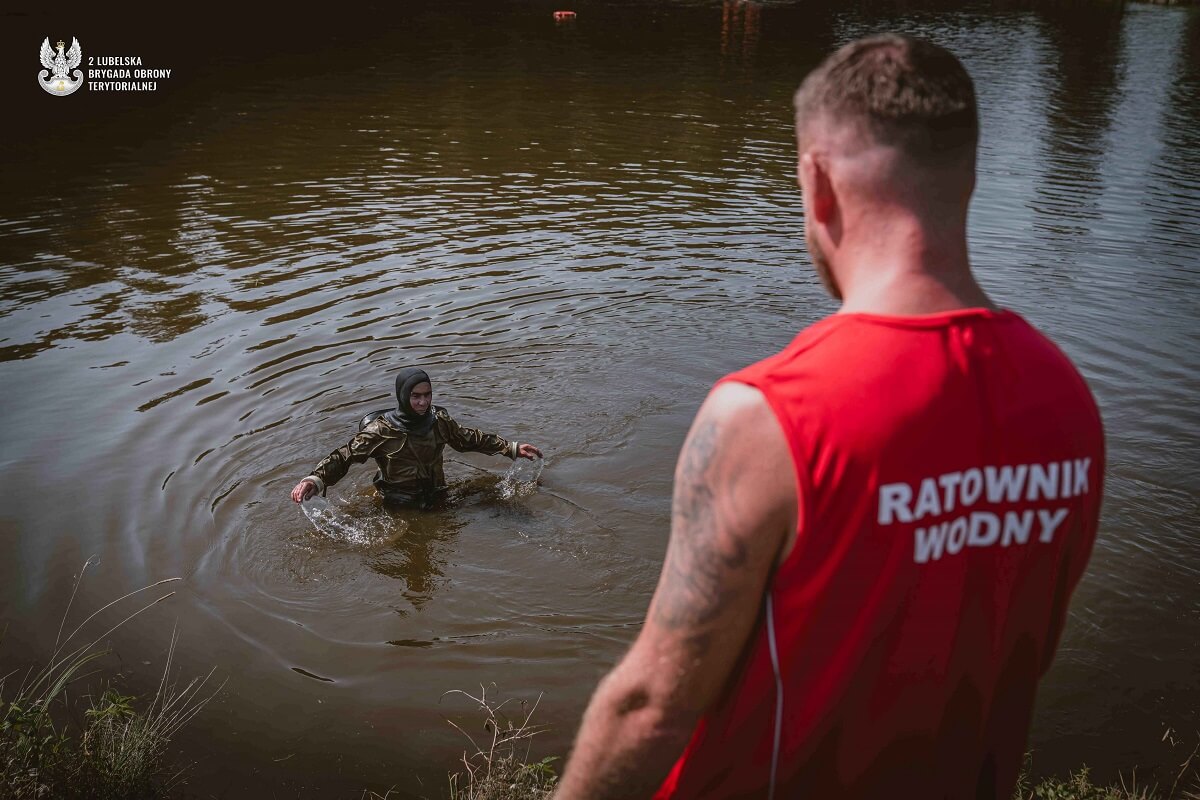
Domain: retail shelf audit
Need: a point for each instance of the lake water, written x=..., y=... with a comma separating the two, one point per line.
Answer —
x=576, y=228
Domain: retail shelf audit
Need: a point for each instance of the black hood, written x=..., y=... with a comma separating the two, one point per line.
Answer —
x=404, y=417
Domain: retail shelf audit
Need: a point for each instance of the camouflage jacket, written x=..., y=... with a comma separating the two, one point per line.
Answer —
x=405, y=459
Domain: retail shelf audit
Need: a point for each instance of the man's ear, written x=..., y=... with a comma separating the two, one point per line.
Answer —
x=819, y=198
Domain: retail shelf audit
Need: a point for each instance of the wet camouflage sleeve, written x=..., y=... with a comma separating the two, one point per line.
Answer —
x=472, y=440
x=335, y=465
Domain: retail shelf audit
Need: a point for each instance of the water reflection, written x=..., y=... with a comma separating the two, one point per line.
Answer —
x=739, y=28
x=412, y=546
x=418, y=556
x=1085, y=60
x=1178, y=164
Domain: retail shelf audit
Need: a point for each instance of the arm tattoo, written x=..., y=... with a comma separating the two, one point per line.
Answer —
x=703, y=551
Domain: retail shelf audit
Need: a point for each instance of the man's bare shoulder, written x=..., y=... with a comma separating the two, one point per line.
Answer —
x=748, y=461
x=744, y=420
x=730, y=397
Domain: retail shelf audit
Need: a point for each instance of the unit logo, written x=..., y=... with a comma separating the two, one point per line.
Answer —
x=54, y=78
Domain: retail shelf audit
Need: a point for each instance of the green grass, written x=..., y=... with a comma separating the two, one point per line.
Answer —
x=1078, y=785
x=117, y=750
x=499, y=768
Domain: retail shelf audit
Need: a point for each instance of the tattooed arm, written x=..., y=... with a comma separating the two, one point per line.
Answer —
x=733, y=515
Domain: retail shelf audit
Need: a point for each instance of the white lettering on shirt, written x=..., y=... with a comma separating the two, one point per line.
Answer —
x=893, y=503
x=927, y=500
x=1000, y=487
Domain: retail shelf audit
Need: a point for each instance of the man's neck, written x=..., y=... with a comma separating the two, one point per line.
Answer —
x=909, y=273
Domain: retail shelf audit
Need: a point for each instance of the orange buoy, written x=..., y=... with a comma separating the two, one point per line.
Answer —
x=561, y=15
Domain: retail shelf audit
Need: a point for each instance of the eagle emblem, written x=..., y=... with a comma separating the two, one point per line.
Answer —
x=55, y=78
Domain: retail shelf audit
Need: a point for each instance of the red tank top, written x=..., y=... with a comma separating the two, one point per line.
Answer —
x=949, y=471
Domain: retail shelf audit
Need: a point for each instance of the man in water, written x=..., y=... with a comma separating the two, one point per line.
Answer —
x=875, y=533
x=407, y=445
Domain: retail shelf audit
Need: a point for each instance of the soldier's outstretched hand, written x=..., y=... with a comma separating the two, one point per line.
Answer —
x=304, y=490
x=529, y=451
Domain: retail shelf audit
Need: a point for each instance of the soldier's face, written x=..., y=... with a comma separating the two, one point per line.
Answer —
x=421, y=397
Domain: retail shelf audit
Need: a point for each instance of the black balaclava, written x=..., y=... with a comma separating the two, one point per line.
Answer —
x=404, y=417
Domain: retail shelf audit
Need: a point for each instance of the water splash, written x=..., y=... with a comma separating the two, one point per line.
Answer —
x=337, y=524
x=521, y=478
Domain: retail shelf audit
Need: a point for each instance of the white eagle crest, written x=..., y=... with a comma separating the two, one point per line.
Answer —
x=55, y=79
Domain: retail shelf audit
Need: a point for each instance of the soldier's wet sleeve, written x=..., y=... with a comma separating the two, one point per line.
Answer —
x=335, y=465
x=473, y=440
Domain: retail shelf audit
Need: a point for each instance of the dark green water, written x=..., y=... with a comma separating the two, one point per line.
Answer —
x=577, y=228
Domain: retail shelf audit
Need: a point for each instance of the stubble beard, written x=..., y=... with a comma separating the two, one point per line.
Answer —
x=821, y=264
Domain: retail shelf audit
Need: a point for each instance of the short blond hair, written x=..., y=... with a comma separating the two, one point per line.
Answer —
x=902, y=91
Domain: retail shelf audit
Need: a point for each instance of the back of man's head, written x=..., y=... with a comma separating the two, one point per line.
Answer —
x=887, y=131
x=895, y=91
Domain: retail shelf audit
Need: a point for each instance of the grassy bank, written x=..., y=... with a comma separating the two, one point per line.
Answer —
x=513, y=780
x=499, y=768
x=104, y=745
x=1078, y=785
x=60, y=742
